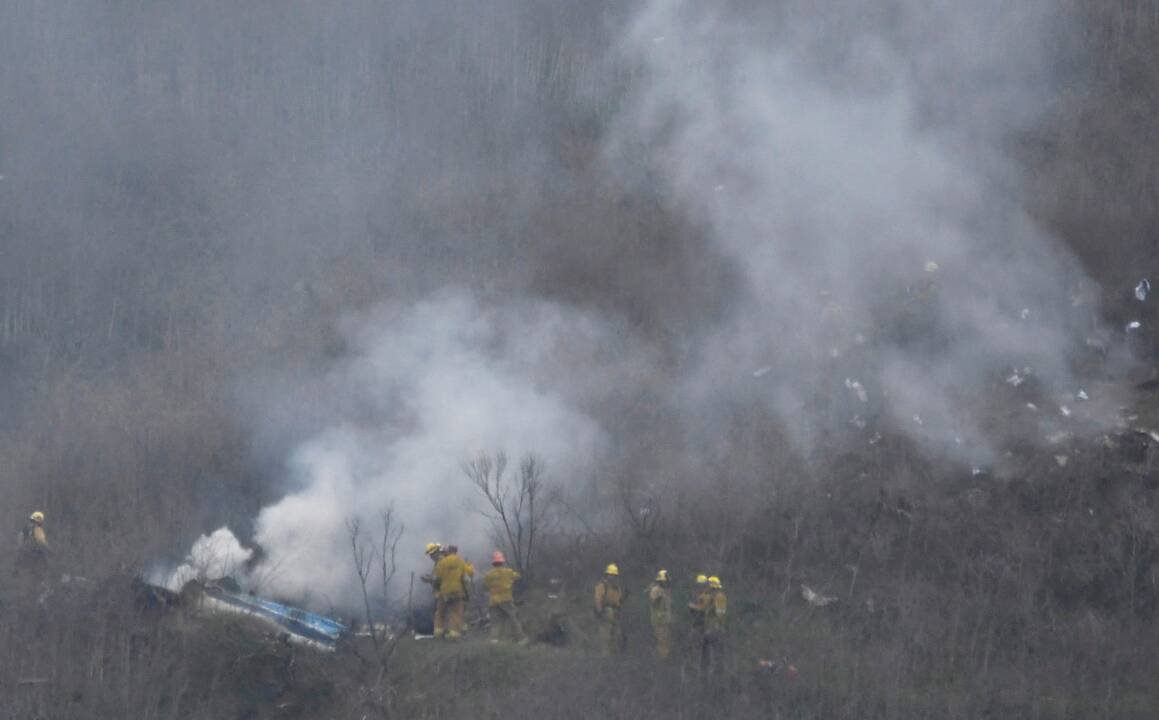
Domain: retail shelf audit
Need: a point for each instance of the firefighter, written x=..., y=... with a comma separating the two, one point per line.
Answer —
x=716, y=608
x=697, y=610
x=434, y=551
x=32, y=555
x=609, y=596
x=469, y=574
x=660, y=613
x=500, y=582
x=450, y=595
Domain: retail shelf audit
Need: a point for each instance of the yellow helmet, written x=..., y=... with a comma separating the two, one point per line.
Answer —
x=701, y=579
x=714, y=582
x=36, y=517
x=662, y=576
x=433, y=547
x=612, y=569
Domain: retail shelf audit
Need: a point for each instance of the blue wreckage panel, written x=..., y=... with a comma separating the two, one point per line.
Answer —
x=302, y=623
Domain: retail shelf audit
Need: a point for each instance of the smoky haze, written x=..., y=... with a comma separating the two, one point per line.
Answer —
x=382, y=237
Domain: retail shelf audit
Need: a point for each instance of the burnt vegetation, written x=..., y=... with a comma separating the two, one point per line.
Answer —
x=159, y=252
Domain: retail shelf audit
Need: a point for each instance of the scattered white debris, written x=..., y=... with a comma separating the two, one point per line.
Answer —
x=1091, y=512
x=1134, y=325
x=858, y=422
x=762, y=371
x=1083, y=395
x=1015, y=379
x=1064, y=410
x=834, y=353
x=1149, y=433
x=719, y=188
x=875, y=439
x=1142, y=289
x=858, y=388
x=976, y=471
x=1032, y=406
x=1096, y=344
x=1057, y=437
x=859, y=339
x=918, y=419
x=932, y=267
x=658, y=39
x=957, y=439
x=1062, y=460
x=816, y=599
x=1025, y=313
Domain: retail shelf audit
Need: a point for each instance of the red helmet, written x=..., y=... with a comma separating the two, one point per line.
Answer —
x=497, y=558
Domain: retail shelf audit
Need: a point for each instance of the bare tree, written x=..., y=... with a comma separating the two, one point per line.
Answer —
x=642, y=509
x=363, y=554
x=367, y=553
x=519, y=509
x=388, y=554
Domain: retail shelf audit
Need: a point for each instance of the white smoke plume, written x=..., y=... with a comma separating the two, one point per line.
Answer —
x=425, y=388
x=212, y=557
x=854, y=160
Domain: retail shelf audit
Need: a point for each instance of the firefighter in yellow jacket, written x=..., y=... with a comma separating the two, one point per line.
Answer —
x=712, y=605
x=450, y=595
x=500, y=582
x=660, y=613
x=32, y=554
x=697, y=607
x=434, y=551
x=609, y=597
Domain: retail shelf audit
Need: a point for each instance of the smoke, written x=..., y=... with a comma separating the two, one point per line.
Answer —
x=854, y=162
x=401, y=234
x=423, y=389
x=212, y=557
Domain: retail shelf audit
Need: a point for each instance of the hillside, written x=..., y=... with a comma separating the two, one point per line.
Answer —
x=855, y=298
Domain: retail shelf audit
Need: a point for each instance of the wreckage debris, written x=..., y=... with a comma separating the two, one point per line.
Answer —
x=1134, y=325
x=1142, y=289
x=298, y=626
x=858, y=388
x=816, y=599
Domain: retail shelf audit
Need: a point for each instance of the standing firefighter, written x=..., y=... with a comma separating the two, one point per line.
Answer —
x=32, y=555
x=660, y=613
x=697, y=611
x=715, y=609
x=450, y=595
x=434, y=551
x=608, y=598
x=500, y=582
